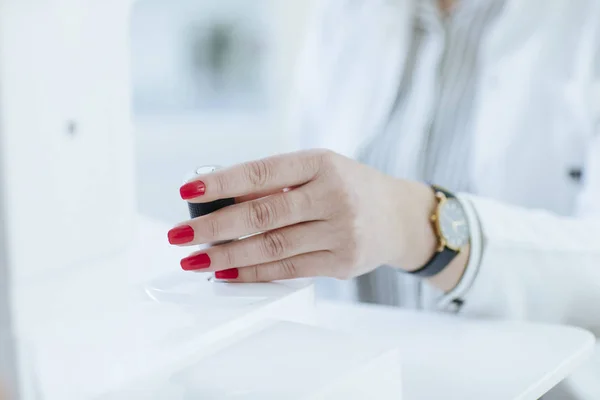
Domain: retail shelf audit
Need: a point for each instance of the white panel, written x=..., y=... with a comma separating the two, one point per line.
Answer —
x=136, y=314
x=64, y=66
x=282, y=361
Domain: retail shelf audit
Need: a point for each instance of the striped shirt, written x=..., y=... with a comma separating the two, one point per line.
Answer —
x=439, y=86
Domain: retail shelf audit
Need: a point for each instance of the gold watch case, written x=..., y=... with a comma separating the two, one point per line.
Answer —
x=449, y=213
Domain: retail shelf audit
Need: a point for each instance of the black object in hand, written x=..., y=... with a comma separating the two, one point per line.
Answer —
x=200, y=209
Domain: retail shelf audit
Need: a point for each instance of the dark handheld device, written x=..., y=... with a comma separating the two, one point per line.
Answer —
x=200, y=209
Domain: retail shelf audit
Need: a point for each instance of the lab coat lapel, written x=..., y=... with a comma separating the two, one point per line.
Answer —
x=366, y=86
x=392, y=39
x=494, y=120
x=516, y=23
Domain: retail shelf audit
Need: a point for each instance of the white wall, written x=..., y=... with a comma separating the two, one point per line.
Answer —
x=169, y=145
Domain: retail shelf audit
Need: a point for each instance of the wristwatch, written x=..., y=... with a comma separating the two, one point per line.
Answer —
x=452, y=230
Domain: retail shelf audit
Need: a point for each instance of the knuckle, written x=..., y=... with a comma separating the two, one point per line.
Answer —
x=221, y=183
x=261, y=215
x=316, y=160
x=326, y=159
x=346, y=207
x=343, y=274
x=324, y=154
x=275, y=245
x=213, y=228
x=352, y=257
x=258, y=173
x=349, y=253
x=288, y=268
x=229, y=258
x=344, y=266
x=254, y=274
x=263, y=274
x=334, y=172
x=346, y=201
x=304, y=200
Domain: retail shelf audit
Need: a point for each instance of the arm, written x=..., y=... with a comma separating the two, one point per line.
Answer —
x=533, y=264
x=539, y=266
x=536, y=265
x=343, y=219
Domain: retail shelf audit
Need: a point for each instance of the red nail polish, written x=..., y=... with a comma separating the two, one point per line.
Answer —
x=181, y=235
x=194, y=263
x=227, y=274
x=192, y=190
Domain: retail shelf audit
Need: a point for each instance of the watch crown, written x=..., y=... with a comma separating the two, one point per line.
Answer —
x=433, y=217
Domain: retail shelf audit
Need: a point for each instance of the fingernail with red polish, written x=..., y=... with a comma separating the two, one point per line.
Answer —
x=181, y=235
x=227, y=274
x=194, y=263
x=192, y=190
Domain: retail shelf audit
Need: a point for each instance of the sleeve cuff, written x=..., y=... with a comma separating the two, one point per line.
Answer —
x=453, y=300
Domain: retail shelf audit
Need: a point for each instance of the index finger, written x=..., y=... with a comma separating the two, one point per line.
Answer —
x=267, y=175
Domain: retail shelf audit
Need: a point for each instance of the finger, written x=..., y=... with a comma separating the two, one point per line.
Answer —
x=267, y=175
x=239, y=220
x=260, y=195
x=267, y=247
x=302, y=266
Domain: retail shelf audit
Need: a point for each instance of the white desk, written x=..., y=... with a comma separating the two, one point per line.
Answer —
x=447, y=357
x=137, y=316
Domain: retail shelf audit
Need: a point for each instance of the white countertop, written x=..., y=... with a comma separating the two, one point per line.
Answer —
x=137, y=314
x=448, y=357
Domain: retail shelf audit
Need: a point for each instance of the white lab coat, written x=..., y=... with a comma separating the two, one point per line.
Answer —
x=537, y=121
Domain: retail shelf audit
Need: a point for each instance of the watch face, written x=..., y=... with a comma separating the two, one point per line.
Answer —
x=453, y=224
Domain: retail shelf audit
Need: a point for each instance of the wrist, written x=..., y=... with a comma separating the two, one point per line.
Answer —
x=416, y=238
x=419, y=240
x=449, y=278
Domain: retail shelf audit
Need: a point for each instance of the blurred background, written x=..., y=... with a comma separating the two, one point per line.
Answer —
x=211, y=82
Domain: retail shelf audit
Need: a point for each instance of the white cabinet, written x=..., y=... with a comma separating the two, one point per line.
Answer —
x=65, y=130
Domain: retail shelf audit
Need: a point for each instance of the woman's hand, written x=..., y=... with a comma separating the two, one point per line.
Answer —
x=317, y=214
